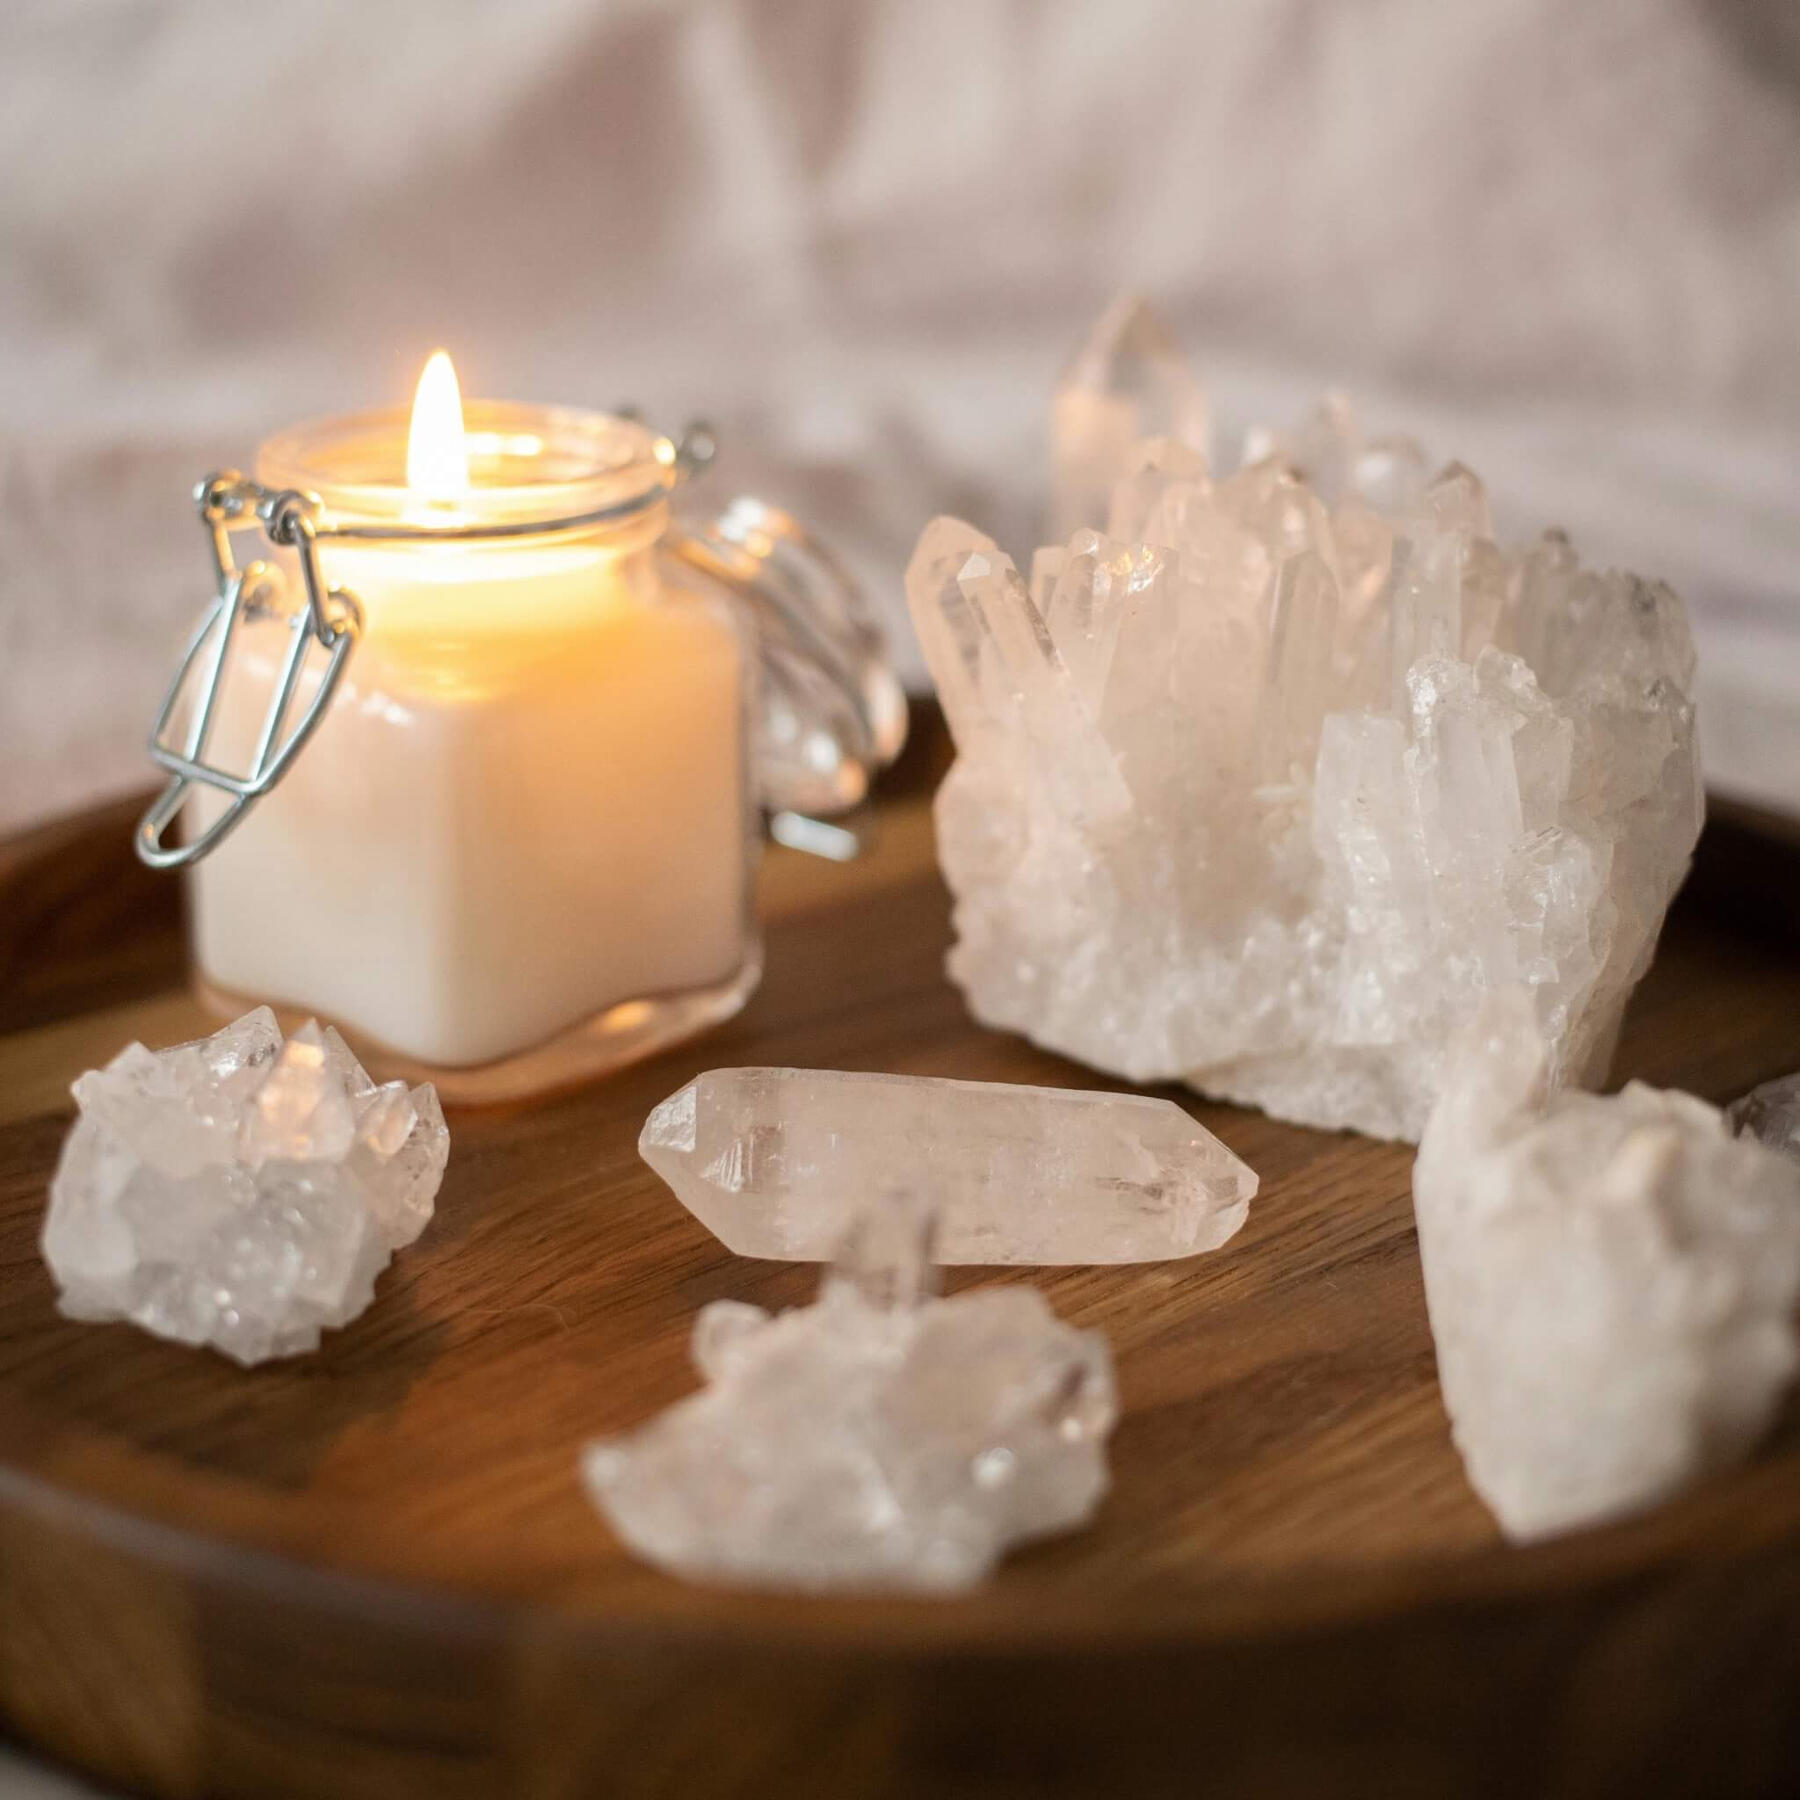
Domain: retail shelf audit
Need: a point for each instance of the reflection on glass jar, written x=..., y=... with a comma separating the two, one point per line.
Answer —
x=519, y=847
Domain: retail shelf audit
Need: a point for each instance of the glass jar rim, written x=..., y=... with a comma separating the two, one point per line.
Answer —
x=534, y=468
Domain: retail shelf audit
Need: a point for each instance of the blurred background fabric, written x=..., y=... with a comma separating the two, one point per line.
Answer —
x=1561, y=242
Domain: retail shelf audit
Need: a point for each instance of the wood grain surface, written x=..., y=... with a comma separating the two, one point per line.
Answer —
x=372, y=1572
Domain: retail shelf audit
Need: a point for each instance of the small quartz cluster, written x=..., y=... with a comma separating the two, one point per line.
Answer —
x=1611, y=1282
x=882, y=1437
x=1265, y=782
x=774, y=1162
x=240, y=1191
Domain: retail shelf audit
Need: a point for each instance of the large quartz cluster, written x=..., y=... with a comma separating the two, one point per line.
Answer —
x=775, y=1162
x=880, y=1438
x=240, y=1191
x=1265, y=784
x=1611, y=1282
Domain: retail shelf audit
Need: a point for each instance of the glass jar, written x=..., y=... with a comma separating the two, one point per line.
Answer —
x=476, y=779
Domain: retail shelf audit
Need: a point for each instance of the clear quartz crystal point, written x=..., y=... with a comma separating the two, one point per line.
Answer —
x=1425, y=601
x=1000, y=673
x=1301, y=763
x=1389, y=473
x=302, y=1109
x=1128, y=382
x=1166, y=478
x=1095, y=586
x=1771, y=1114
x=1047, y=565
x=1611, y=1281
x=1458, y=503
x=240, y=1192
x=881, y=1438
x=949, y=633
x=1300, y=677
x=775, y=1162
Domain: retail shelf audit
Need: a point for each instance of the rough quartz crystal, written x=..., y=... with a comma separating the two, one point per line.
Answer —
x=1611, y=1282
x=1265, y=784
x=1770, y=1113
x=240, y=1191
x=880, y=1438
x=774, y=1163
x=1128, y=382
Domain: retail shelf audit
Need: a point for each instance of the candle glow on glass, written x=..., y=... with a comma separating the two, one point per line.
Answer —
x=437, y=454
x=536, y=733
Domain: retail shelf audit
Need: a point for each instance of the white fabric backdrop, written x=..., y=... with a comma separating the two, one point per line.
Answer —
x=1563, y=241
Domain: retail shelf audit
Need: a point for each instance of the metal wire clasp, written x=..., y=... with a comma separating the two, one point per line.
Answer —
x=331, y=617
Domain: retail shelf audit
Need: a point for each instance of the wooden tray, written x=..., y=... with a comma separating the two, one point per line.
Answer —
x=372, y=1572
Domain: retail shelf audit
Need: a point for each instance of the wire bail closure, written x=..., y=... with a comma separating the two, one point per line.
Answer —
x=332, y=617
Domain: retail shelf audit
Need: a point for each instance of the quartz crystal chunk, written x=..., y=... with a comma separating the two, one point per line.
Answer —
x=1128, y=382
x=1282, y=772
x=1611, y=1282
x=1770, y=1113
x=774, y=1163
x=240, y=1191
x=879, y=1438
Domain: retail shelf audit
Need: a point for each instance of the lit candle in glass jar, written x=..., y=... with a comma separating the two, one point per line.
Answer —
x=519, y=845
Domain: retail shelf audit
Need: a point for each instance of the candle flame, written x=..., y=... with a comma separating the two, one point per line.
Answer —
x=437, y=457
